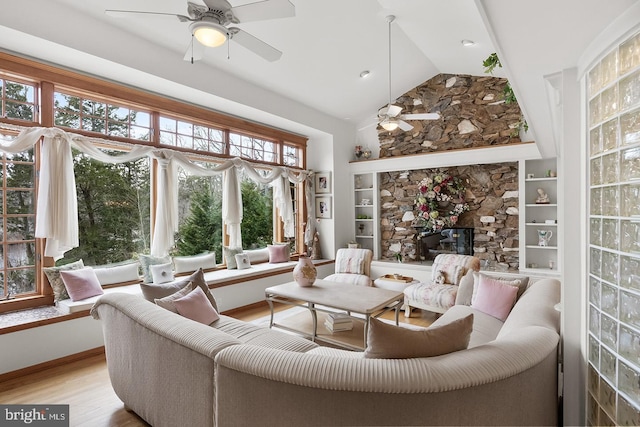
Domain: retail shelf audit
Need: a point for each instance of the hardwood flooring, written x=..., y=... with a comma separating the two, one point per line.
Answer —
x=85, y=386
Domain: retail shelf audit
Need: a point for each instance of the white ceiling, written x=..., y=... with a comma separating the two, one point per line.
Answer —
x=329, y=42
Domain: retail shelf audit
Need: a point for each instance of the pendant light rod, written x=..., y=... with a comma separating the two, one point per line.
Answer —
x=390, y=19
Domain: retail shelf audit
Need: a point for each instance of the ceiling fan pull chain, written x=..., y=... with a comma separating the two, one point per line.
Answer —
x=191, y=48
x=228, y=48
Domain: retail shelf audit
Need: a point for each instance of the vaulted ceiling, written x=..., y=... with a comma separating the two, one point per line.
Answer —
x=330, y=42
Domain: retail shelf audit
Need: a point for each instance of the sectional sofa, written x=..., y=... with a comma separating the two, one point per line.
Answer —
x=174, y=371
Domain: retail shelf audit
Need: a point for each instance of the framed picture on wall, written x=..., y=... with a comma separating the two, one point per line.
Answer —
x=323, y=182
x=323, y=207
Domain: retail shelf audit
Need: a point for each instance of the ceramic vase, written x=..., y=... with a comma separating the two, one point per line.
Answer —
x=305, y=273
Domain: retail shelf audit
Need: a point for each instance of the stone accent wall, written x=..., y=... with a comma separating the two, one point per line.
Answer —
x=473, y=114
x=492, y=195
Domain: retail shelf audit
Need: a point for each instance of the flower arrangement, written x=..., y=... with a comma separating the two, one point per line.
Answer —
x=440, y=202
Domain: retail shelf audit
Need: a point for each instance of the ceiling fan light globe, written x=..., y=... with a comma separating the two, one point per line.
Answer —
x=209, y=33
x=389, y=125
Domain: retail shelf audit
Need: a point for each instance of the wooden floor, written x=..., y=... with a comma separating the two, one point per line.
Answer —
x=84, y=385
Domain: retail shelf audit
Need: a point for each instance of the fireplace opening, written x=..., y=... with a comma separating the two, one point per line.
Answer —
x=455, y=240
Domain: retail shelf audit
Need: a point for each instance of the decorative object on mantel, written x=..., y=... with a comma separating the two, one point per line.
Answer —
x=440, y=202
x=543, y=198
x=366, y=153
x=305, y=273
x=358, y=152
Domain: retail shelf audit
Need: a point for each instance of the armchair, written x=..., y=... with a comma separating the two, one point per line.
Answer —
x=353, y=266
x=439, y=294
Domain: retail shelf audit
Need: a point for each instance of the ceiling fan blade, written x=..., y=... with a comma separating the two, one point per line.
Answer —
x=254, y=44
x=121, y=13
x=195, y=51
x=422, y=116
x=263, y=10
x=404, y=125
x=393, y=110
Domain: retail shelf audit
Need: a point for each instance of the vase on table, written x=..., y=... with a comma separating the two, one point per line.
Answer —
x=305, y=273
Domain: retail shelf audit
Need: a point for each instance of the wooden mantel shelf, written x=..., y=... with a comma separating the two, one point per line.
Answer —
x=472, y=156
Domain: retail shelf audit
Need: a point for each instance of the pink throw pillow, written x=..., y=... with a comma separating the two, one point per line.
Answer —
x=196, y=306
x=278, y=253
x=81, y=284
x=495, y=298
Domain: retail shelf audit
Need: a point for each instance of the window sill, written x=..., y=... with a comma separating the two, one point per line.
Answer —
x=19, y=320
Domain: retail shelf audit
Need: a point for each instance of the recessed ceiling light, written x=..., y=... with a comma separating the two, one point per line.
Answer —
x=365, y=73
x=468, y=43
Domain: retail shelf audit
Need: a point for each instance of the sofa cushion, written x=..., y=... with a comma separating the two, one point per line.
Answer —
x=151, y=292
x=242, y=261
x=257, y=256
x=261, y=336
x=495, y=297
x=386, y=341
x=465, y=288
x=485, y=328
x=196, y=306
x=53, y=274
x=168, y=302
x=189, y=264
x=81, y=284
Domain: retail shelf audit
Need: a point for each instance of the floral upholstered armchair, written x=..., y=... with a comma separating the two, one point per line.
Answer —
x=439, y=294
x=353, y=266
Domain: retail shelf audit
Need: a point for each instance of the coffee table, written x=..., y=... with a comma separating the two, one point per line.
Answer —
x=331, y=297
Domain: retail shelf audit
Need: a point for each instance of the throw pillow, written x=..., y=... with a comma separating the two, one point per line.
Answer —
x=465, y=289
x=385, y=341
x=258, y=255
x=520, y=282
x=161, y=273
x=118, y=272
x=494, y=297
x=147, y=261
x=189, y=264
x=195, y=306
x=242, y=261
x=53, y=274
x=230, y=257
x=168, y=302
x=151, y=292
x=81, y=284
x=278, y=253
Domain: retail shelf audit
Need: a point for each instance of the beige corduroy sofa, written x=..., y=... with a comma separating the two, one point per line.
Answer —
x=173, y=371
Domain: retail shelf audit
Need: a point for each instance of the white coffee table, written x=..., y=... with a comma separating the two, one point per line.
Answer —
x=334, y=296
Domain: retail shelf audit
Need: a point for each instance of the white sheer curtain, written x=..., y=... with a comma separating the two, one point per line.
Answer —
x=57, y=209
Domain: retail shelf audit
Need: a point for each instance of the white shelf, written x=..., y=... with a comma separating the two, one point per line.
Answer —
x=541, y=247
x=365, y=230
x=541, y=205
x=542, y=224
x=364, y=237
x=363, y=189
x=364, y=206
x=546, y=178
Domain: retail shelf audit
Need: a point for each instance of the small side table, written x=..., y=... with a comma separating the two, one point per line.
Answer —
x=392, y=285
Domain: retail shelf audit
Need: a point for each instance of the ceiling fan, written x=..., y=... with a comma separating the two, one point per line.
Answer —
x=389, y=116
x=210, y=24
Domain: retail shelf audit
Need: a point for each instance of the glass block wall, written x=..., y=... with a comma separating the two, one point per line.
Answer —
x=613, y=377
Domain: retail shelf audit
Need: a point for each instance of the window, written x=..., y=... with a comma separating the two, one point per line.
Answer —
x=92, y=115
x=114, y=200
x=17, y=100
x=192, y=136
x=113, y=210
x=18, y=253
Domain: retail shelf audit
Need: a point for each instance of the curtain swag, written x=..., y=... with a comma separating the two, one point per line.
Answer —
x=57, y=204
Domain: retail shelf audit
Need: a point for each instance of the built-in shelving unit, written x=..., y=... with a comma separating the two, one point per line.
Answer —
x=365, y=211
x=539, y=228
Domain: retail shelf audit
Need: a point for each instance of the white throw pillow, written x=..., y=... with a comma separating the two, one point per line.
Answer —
x=119, y=273
x=189, y=264
x=242, y=261
x=161, y=273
